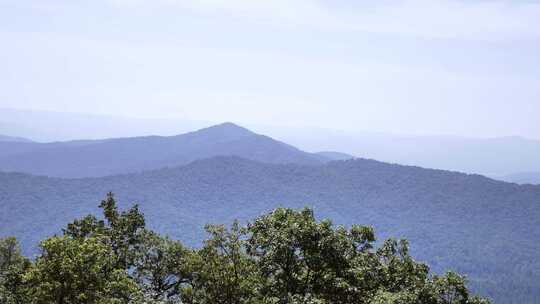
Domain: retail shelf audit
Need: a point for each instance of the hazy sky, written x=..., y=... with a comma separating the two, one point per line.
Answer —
x=448, y=67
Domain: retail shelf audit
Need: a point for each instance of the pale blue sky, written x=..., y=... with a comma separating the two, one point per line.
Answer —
x=419, y=67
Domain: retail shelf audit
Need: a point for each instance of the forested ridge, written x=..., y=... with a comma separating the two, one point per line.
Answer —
x=468, y=223
x=284, y=256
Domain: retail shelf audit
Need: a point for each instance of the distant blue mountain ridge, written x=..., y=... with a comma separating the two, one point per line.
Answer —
x=496, y=157
x=93, y=158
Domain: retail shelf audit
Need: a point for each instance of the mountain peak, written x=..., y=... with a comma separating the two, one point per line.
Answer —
x=227, y=129
x=230, y=125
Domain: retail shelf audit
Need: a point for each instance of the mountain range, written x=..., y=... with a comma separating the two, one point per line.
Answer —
x=478, y=226
x=93, y=158
x=497, y=157
x=475, y=225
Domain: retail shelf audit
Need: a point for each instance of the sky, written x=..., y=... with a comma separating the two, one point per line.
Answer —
x=468, y=68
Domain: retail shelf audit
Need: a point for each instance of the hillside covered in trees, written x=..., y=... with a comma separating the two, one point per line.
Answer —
x=284, y=256
x=480, y=227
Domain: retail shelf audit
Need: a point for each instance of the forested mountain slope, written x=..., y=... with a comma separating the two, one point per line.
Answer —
x=93, y=158
x=475, y=225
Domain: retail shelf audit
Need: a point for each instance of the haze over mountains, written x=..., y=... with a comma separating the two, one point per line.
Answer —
x=523, y=178
x=4, y=138
x=495, y=157
x=499, y=158
x=414, y=117
x=48, y=126
x=92, y=158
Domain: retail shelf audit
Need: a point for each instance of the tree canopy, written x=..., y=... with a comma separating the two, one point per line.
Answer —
x=284, y=256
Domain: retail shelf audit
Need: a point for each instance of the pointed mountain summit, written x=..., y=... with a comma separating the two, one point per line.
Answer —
x=218, y=133
x=226, y=129
x=94, y=158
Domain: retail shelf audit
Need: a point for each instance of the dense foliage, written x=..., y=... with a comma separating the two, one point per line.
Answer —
x=285, y=256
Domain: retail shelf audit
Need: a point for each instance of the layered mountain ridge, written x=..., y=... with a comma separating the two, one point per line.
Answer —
x=465, y=222
x=94, y=158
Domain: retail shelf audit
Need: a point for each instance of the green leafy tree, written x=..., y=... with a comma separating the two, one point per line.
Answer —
x=78, y=271
x=123, y=230
x=300, y=258
x=285, y=256
x=13, y=266
x=451, y=289
x=222, y=272
x=161, y=267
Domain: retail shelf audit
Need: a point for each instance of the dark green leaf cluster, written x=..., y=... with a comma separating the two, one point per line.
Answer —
x=285, y=256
